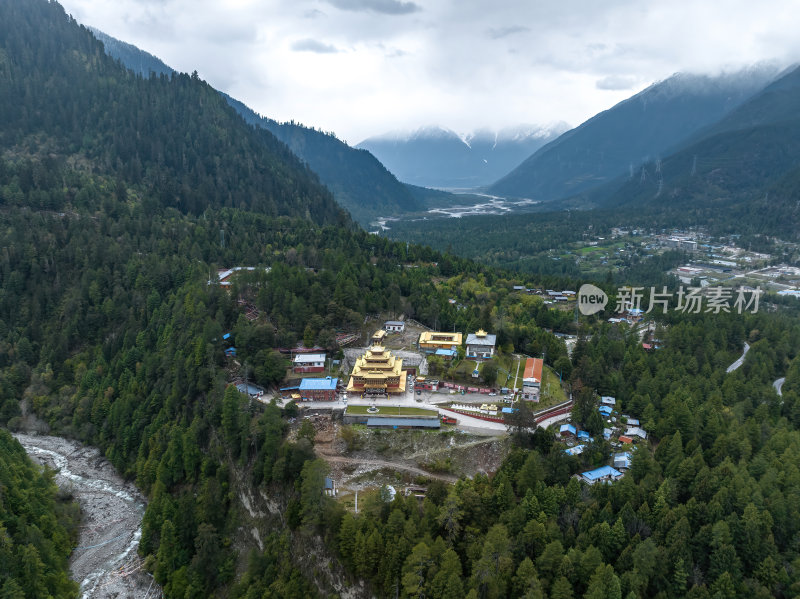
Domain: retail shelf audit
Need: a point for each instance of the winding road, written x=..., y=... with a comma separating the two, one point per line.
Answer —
x=377, y=464
x=740, y=359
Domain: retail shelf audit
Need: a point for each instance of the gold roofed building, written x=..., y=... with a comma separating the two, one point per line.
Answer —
x=430, y=341
x=377, y=372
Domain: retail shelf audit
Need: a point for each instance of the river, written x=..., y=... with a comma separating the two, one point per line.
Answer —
x=105, y=562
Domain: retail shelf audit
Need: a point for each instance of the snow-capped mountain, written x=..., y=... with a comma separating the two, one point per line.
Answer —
x=644, y=127
x=433, y=156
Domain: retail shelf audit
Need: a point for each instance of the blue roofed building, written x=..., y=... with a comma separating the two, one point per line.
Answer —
x=566, y=430
x=330, y=487
x=584, y=436
x=603, y=474
x=318, y=389
x=604, y=410
x=445, y=354
x=577, y=450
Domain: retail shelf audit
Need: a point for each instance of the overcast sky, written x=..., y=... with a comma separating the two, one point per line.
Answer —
x=364, y=67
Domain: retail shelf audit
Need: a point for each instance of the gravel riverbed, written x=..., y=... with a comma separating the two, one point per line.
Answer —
x=105, y=562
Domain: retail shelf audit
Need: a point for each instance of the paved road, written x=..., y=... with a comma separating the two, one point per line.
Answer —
x=740, y=360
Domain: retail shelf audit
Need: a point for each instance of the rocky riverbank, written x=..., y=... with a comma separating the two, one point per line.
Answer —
x=105, y=563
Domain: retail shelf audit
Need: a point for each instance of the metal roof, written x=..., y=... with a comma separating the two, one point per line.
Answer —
x=601, y=472
x=301, y=358
x=326, y=384
x=417, y=422
x=473, y=339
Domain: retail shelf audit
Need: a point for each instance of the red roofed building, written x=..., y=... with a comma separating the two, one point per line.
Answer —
x=624, y=439
x=532, y=379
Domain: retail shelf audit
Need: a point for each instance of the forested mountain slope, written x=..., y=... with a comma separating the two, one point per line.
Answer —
x=111, y=325
x=640, y=129
x=64, y=100
x=744, y=171
x=360, y=183
x=37, y=528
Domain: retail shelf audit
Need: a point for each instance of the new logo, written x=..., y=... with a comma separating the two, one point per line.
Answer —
x=591, y=299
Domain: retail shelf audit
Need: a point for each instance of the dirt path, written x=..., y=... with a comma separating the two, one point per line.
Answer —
x=105, y=563
x=377, y=464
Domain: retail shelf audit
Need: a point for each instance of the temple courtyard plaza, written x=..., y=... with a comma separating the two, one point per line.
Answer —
x=426, y=399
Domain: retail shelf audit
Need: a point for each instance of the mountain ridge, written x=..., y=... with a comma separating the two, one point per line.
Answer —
x=357, y=180
x=636, y=130
x=436, y=156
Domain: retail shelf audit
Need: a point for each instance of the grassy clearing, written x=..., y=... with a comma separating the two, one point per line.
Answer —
x=552, y=391
x=391, y=411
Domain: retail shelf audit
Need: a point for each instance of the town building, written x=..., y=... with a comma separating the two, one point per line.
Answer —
x=308, y=363
x=330, y=487
x=318, y=389
x=480, y=345
x=622, y=460
x=532, y=379
x=567, y=430
x=635, y=431
x=377, y=372
x=430, y=341
x=427, y=384
x=601, y=475
x=394, y=326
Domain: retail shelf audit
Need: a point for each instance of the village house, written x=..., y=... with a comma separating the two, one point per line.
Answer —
x=308, y=363
x=532, y=379
x=567, y=430
x=635, y=431
x=480, y=345
x=622, y=460
x=577, y=450
x=394, y=326
x=330, y=487
x=601, y=475
x=318, y=389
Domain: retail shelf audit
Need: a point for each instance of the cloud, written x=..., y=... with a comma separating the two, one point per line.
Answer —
x=501, y=32
x=312, y=45
x=616, y=82
x=386, y=7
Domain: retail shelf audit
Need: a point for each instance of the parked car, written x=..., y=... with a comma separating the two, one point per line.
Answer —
x=492, y=394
